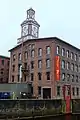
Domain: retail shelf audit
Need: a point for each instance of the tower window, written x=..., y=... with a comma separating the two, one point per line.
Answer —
x=58, y=50
x=39, y=64
x=1, y=80
x=7, y=63
x=18, y=78
x=77, y=91
x=68, y=65
x=32, y=53
x=75, y=57
x=63, y=76
x=48, y=75
x=26, y=55
x=14, y=57
x=32, y=46
x=32, y=90
x=47, y=50
x=63, y=64
x=32, y=64
x=39, y=76
x=32, y=76
x=39, y=52
x=39, y=90
x=72, y=77
x=19, y=57
x=2, y=62
x=72, y=66
x=76, y=68
x=67, y=53
x=72, y=56
x=58, y=90
x=12, y=78
x=73, y=91
x=48, y=63
x=68, y=77
x=76, y=78
x=63, y=52
x=13, y=68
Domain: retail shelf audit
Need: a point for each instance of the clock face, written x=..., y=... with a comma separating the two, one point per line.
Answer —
x=34, y=31
x=25, y=30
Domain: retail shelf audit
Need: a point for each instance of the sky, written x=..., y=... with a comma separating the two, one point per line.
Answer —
x=60, y=18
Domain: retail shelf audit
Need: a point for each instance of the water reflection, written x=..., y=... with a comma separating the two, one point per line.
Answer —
x=65, y=117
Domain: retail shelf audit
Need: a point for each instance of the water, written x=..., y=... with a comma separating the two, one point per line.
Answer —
x=65, y=117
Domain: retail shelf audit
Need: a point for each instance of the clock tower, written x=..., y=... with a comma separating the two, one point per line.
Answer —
x=29, y=27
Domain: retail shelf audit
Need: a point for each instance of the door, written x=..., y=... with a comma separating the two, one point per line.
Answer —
x=46, y=93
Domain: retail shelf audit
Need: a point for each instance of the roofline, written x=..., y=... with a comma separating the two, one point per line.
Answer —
x=1, y=56
x=46, y=38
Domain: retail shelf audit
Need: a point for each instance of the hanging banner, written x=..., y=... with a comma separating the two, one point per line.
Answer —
x=57, y=68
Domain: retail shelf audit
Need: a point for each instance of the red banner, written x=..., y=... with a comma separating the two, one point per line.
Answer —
x=57, y=68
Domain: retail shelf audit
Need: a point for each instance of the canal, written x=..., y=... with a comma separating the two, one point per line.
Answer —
x=62, y=117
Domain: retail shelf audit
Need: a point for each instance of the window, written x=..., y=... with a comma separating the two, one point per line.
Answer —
x=31, y=90
x=32, y=53
x=58, y=50
x=2, y=71
x=63, y=76
x=63, y=52
x=25, y=66
x=32, y=64
x=24, y=78
x=73, y=91
x=7, y=63
x=39, y=76
x=33, y=46
x=76, y=68
x=58, y=90
x=79, y=68
x=32, y=76
x=48, y=63
x=79, y=58
x=12, y=78
x=2, y=62
x=76, y=78
x=19, y=56
x=29, y=46
x=6, y=80
x=14, y=57
x=1, y=80
x=48, y=75
x=72, y=55
x=39, y=90
x=72, y=67
x=18, y=78
x=77, y=91
x=26, y=55
x=68, y=77
x=63, y=64
x=13, y=68
x=68, y=65
x=47, y=50
x=39, y=63
x=72, y=78
x=67, y=53
x=75, y=57
x=68, y=90
x=39, y=52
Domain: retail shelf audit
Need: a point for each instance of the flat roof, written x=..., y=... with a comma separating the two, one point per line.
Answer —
x=46, y=38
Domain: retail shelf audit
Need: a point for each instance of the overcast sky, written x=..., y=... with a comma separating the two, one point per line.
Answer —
x=59, y=18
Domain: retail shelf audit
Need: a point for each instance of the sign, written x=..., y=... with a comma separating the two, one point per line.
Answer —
x=57, y=68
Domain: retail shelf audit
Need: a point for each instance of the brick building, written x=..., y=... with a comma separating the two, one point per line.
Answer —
x=51, y=65
x=4, y=69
